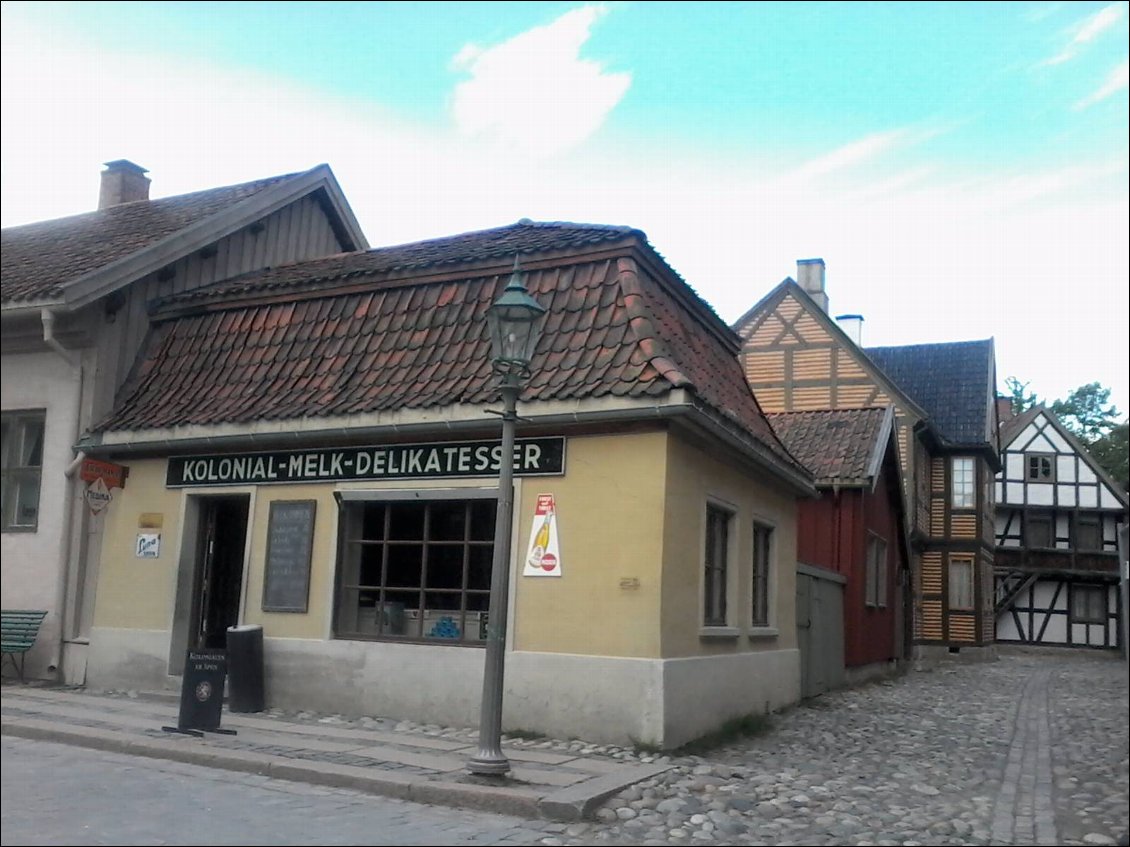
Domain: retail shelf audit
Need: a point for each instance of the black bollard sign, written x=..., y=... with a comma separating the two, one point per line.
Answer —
x=202, y=692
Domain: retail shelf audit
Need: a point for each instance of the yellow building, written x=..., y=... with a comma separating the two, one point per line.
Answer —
x=309, y=450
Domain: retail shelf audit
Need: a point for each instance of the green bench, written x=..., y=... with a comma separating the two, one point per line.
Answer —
x=20, y=628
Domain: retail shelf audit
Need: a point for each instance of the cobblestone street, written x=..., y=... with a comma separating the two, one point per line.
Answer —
x=1031, y=749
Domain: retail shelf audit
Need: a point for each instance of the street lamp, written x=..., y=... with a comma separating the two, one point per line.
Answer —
x=512, y=320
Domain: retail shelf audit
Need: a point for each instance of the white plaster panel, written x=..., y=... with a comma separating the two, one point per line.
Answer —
x=1109, y=500
x=1056, y=633
x=1066, y=495
x=1086, y=474
x=1057, y=440
x=1000, y=492
x=1006, y=628
x=1041, y=444
x=1079, y=633
x=1040, y=494
x=1026, y=435
x=1015, y=493
x=1065, y=468
x=1088, y=496
x=1015, y=465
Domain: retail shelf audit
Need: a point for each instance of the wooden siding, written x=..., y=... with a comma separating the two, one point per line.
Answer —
x=962, y=627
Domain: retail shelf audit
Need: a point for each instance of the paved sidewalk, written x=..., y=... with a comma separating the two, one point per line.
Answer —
x=416, y=766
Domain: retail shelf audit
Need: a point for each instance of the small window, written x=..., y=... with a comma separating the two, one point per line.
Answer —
x=1039, y=532
x=21, y=455
x=1040, y=467
x=1088, y=533
x=1088, y=604
x=964, y=491
x=961, y=584
x=762, y=551
x=716, y=560
x=876, y=580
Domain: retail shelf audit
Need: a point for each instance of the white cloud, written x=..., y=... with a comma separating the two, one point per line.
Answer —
x=1119, y=79
x=1087, y=31
x=534, y=93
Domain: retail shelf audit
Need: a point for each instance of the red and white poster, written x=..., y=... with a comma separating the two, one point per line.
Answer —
x=544, y=555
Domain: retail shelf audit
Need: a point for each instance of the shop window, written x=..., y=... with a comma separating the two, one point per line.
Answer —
x=415, y=570
x=715, y=584
x=876, y=581
x=1040, y=467
x=963, y=483
x=1039, y=530
x=961, y=584
x=21, y=453
x=1088, y=533
x=1088, y=604
x=762, y=564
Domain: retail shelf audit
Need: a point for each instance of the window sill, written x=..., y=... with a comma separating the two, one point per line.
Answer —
x=763, y=632
x=718, y=632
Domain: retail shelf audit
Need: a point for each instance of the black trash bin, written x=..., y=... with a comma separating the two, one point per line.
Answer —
x=245, y=669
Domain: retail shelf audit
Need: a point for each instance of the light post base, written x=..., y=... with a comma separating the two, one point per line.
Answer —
x=486, y=763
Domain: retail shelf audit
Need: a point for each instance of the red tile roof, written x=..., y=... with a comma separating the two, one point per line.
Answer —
x=39, y=258
x=838, y=445
x=404, y=328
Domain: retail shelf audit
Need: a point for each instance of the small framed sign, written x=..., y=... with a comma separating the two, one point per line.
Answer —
x=290, y=545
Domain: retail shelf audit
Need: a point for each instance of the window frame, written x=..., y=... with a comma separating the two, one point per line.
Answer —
x=716, y=573
x=1029, y=458
x=1090, y=614
x=762, y=558
x=963, y=468
x=875, y=578
x=1094, y=521
x=347, y=578
x=13, y=475
x=956, y=563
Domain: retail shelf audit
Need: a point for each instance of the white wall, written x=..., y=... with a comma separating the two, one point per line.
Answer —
x=31, y=563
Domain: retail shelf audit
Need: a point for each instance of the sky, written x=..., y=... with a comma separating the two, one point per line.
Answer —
x=962, y=168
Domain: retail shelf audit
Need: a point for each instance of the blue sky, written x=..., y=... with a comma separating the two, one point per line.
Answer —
x=961, y=167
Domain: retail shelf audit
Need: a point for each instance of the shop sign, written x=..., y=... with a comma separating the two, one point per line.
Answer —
x=543, y=558
x=114, y=476
x=148, y=545
x=441, y=460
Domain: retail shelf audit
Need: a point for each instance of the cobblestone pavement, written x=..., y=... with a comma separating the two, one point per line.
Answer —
x=1031, y=749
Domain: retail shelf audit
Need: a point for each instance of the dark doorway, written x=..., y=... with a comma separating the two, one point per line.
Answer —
x=219, y=570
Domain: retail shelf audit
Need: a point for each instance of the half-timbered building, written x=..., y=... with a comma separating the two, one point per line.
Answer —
x=797, y=358
x=1057, y=523
x=74, y=306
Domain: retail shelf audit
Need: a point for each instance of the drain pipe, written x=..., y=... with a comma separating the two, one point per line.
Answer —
x=47, y=317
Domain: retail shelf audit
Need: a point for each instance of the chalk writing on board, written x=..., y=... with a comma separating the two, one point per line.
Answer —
x=290, y=541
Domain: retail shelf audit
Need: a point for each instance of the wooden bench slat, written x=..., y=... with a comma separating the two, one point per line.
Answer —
x=19, y=629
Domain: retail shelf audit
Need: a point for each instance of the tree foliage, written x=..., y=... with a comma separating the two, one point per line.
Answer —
x=1022, y=399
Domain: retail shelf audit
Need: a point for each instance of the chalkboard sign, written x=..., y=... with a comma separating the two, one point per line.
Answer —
x=290, y=543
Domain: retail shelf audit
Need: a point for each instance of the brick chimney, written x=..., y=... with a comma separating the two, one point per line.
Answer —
x=122, y=182
x=810, y=277
x=1004, y=408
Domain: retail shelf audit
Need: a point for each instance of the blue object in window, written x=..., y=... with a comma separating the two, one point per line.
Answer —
x=444, y=628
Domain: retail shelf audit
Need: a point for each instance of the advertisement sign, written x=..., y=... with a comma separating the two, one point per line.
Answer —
x=97, y=496
x=543, y=558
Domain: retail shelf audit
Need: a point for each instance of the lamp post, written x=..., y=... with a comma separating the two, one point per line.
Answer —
x=512, y=319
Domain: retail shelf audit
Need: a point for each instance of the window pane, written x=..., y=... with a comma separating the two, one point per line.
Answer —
x=964, y=496
x=445, y=566
x=448, y=521
x=407, y=521
x=1039, y=529
x=32, y=455
x=761, y=552
x=21, y=455
x=27, y=500
x=961, y=585
x=372, y=522
x=714, y=585
x=482, y=519
x=1088, y=535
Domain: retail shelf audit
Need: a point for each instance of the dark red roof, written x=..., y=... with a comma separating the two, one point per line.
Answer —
x=833, y=445
x=39, y=258
x=339, y=336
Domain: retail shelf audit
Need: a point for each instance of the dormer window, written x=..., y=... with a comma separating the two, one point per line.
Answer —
x=1040, y=467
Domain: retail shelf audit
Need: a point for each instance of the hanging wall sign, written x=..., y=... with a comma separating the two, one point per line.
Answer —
x=445, y=459
x=543, y=558
x=97, y=496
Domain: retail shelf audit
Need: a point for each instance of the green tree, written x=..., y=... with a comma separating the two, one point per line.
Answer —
x=1022, y=399
x=1111, y=451
x=1087, y=412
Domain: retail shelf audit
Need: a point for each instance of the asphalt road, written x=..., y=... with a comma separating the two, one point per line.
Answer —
x=56, y=794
